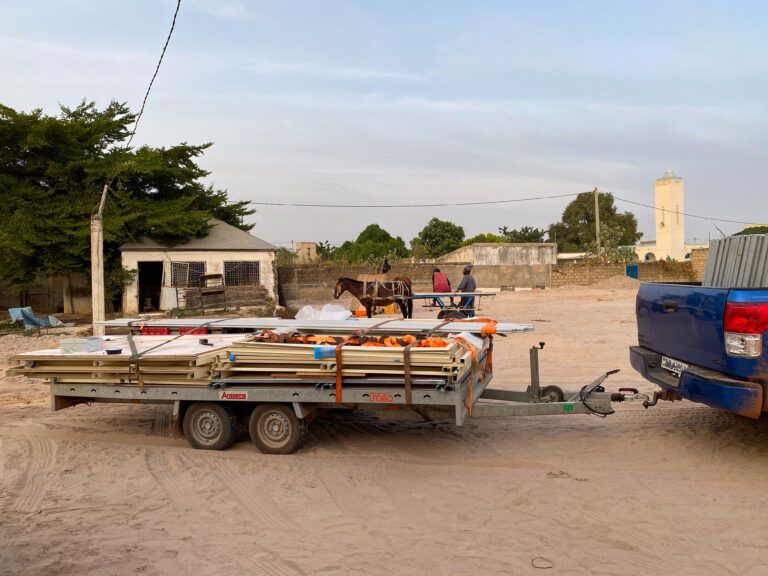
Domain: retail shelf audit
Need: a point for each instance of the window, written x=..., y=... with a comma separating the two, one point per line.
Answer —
x=186, y=274
x=241, y=273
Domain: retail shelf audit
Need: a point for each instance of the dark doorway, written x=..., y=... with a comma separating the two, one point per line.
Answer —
x=150, y=285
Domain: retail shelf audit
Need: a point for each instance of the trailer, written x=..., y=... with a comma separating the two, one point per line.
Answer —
x=279, y=411
x=453, y=309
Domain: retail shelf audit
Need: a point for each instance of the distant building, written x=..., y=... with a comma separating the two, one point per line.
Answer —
x=306, y=252
x=669, y=202
x=503, y=253
x=163, y=272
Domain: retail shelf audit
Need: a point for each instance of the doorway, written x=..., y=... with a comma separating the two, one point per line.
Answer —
x=150, y=285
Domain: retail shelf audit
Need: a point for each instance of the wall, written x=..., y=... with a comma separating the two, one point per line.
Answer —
x=214, y=265
x=313, y=283
x=586, y=274
x=670, y=222
x=699, y=262
x=504, y=254
x=51, y=295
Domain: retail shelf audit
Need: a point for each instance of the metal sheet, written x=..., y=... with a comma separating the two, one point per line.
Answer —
x=314, y=326
x=737, y=262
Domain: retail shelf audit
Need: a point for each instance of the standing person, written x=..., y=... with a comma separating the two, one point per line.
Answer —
x=385, y=267
x=440, y=283
x=468, y=284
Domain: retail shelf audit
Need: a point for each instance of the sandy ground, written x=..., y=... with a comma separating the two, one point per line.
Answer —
x=678, y=489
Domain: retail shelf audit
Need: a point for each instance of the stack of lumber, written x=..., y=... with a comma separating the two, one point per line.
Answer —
x=260, y=359
x=161, y=360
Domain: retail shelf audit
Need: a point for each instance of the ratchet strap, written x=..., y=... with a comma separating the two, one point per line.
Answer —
x=469, y=347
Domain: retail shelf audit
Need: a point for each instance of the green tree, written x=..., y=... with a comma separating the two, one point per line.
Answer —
x=284, y=257
x=576, y=230
x=612, y=249
x=438, y=237
x=371, y=246
x=325, y=250
x=753, y=230
x=487, y=238
x=52, y=171
x=524, y=235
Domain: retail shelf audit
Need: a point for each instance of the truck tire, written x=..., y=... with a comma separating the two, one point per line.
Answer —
x=210, y=426
x=275, y=429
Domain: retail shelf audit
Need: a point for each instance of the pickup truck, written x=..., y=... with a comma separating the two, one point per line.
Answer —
x=709, y=345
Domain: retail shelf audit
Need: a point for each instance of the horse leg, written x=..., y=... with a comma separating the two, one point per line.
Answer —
x=369, y=310
x=403, y=308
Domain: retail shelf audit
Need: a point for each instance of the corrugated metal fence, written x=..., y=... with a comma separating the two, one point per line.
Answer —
x=738, y=262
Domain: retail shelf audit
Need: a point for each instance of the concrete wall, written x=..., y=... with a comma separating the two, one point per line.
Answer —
x=586, y=274
x=214, y=264
x=51, y=295
x=699, y=262
x=307, y=283
x=504, y=254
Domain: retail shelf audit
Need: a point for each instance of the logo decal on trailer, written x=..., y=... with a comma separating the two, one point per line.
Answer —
x=231, y=395
x=381, y=397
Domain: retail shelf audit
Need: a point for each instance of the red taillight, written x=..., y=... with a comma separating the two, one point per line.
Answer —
x=746, y=317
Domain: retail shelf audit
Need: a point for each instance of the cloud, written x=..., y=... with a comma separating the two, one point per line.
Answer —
x=327, y=72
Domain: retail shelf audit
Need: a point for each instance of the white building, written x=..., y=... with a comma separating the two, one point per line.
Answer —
x=669, y=201
x=241, y=259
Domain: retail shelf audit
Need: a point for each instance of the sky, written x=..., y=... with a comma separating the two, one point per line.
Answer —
x=395, y=102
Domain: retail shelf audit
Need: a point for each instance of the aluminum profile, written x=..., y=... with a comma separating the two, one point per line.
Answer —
x=737, y=262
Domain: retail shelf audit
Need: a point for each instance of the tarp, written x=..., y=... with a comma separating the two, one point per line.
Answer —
x=31, y=321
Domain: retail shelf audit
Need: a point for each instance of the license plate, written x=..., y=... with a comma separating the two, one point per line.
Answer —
x=674, y=366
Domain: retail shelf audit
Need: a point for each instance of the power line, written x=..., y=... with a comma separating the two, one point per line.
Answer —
x=435, y=205
x=683, y=213
x=157, y=69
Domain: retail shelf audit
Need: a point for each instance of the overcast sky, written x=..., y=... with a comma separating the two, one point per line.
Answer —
x=419, y=101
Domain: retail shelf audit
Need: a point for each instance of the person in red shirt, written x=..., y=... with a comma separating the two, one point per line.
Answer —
x=440, y=283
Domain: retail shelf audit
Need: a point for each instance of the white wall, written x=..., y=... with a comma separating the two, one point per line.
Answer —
x=214, y=264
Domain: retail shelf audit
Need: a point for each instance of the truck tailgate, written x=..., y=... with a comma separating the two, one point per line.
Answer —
x=684, y=322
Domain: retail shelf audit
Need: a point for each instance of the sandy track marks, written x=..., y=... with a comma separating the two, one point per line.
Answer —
x=263, y=509
x=346, y=496
x=165, y=470
x=36, y=479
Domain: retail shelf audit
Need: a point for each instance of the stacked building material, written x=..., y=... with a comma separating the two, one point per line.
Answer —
x=156, y=360
x=448, y=358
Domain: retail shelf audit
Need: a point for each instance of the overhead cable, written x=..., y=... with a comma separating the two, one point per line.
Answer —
x=431, y=205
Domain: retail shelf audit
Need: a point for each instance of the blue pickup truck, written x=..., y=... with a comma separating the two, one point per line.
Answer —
x=709, y=345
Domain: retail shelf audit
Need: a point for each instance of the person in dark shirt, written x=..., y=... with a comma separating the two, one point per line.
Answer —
x=467, y=284
x=385, y=267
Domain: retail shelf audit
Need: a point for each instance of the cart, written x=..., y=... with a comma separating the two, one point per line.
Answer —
x=448, y=302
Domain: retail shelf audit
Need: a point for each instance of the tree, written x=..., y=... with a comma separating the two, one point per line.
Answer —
x=438, y=237
x=576, y=230
x=52, y=171
x=526, y=234
x=611, y=248
x=371, y=246
x=325, y=250
x=284, y=257
x=487, y=238
x=753, y=230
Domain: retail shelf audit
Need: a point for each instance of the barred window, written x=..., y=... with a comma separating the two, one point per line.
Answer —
x=241, y=273
x=186, y=274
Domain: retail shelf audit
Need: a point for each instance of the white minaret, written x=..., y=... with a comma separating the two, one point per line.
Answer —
x=670, y=221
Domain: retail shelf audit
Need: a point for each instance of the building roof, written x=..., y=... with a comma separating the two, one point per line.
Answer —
x=222, y=236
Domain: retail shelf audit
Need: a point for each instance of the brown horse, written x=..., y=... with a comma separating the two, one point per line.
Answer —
x=377, y=293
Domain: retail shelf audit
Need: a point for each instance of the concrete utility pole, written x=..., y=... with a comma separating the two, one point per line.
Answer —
x=597, y=220
x=97, y=265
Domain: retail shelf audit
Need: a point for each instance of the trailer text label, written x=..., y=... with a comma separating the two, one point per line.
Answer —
x=381, y=397
x=224, y=395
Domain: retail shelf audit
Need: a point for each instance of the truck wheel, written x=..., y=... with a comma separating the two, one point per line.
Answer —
x=210, y=426
x=552, y=394
x=275, y=429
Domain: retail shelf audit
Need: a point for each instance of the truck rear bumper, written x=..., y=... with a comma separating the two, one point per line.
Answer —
x=700, y=384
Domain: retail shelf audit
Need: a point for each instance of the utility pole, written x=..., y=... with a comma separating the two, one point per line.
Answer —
x=597, y=220
x=97, y=265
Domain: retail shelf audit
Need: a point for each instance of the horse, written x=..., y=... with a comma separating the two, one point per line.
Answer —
x=377, y=293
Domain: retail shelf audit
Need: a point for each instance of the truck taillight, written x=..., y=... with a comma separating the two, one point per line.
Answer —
x=745, y=323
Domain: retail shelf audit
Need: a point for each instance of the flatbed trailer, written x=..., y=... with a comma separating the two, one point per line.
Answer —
x=279, y=410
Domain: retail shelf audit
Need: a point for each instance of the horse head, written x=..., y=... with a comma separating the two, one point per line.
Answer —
x=338, y=290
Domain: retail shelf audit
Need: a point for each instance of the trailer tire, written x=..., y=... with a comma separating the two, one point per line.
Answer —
x=552, y=394
x=210, y=426
x=275, y=429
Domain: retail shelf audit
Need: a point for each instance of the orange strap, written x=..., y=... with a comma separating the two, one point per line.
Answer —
x=488, y=329
x=467, y=346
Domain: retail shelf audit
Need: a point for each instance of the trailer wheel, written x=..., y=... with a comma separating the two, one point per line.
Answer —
x=210, y=426
x=552, y=394
x=275, y=429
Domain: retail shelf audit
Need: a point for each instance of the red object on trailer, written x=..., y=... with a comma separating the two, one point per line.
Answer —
x=154, y=331
x=189, y=330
